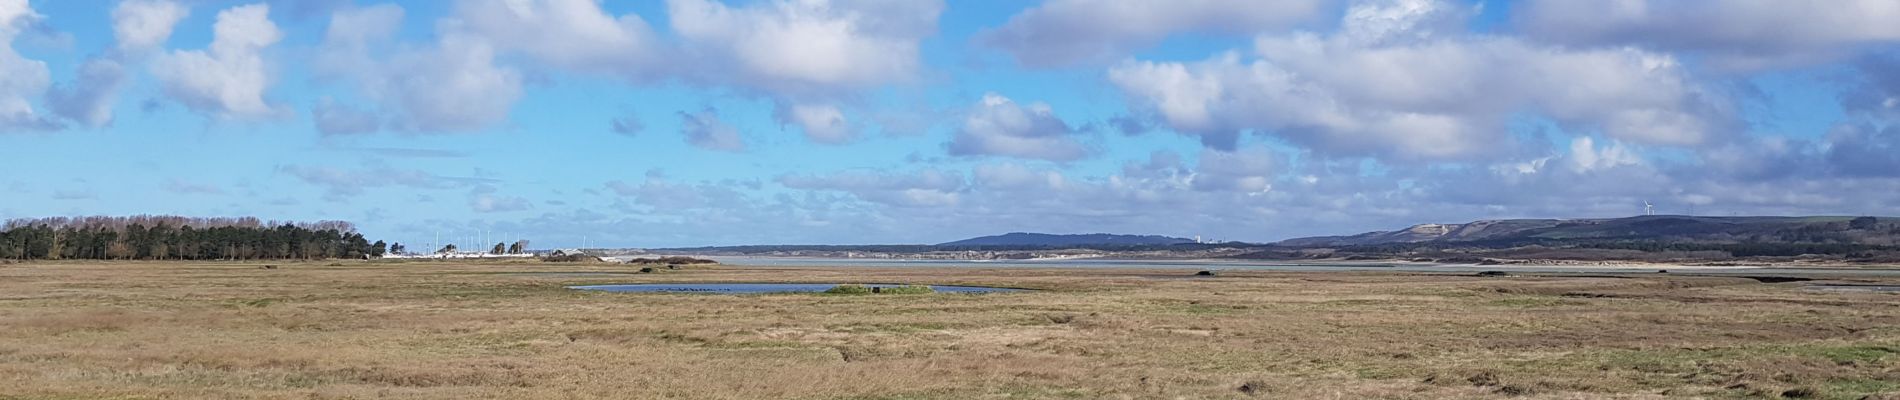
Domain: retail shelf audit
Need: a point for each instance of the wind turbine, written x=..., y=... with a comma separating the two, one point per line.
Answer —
x=1648, y=209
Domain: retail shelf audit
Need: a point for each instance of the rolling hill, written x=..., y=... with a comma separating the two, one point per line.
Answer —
x=1880, y=231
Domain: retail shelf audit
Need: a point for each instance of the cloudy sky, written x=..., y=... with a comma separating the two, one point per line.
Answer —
x=709, y=122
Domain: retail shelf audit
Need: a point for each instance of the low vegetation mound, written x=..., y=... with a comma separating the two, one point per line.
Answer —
x=672, y=260
x=570, y=258
x=856, y=289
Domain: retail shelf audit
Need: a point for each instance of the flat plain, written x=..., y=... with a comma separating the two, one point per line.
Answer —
x=322, y=330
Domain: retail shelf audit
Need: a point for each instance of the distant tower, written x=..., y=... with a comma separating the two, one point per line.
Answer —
x=1648, y=209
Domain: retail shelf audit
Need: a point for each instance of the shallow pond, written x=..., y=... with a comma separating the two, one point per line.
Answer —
x=1855, y=288
x=753, y=288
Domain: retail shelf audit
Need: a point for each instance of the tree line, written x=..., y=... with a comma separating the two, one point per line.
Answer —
x=181, y=238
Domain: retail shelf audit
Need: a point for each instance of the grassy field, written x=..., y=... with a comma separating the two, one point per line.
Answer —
x=78, y=330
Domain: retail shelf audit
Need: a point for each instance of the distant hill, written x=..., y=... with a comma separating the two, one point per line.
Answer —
x=1878, y=231
x=1049, y=240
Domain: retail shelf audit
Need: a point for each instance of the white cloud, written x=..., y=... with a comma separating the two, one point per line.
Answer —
x=142, y=25
x=452, y=85
x=1585, y=155
x=704, y=130
x=1067, y=32
x=230, y=78
x=458, y=83
x=1248, y=170
x=21, y=78
x=798, y=47
x=821, y=123
x=998, y=126
x=1738, y=34
x=809, y=56
x=1392, y=84
x=572, y=34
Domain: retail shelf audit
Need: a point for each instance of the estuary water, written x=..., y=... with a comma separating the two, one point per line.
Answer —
x=1246, y=265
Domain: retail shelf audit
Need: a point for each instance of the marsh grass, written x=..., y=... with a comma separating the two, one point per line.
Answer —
x=443, y=330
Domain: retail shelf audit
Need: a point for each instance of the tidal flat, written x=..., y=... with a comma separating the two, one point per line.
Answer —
x=448, y=330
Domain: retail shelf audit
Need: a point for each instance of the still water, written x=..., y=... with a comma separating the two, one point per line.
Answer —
x=1245, y=265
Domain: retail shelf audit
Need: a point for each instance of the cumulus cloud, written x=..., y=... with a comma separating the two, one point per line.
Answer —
x=811, y=57
x=21, y=79
x=704, y=130
x=998, y=126
x=1728, y=31
x=140, y=27
x=822, y=123
x=143, y=25
x=1392, y=84
x=572, y=34
x=1069, y=32
x=805, y=54
x=1249, y=170
x=452, y=85
x=230, y=78
x=801, y=47
x=1586, y=155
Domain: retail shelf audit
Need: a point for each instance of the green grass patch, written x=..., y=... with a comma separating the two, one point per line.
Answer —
x=1842, y=354
x=856, y=289
x=1203, y=309
x=1857, y=387
x=1529, y=302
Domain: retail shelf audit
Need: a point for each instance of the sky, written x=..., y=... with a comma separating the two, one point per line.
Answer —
x=664, y=123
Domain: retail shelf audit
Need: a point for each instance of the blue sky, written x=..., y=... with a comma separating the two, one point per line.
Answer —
x=709, y=122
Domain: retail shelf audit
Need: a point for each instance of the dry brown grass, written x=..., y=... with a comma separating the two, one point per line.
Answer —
x=453, y=331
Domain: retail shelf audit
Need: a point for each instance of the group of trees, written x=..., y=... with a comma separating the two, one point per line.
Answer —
x=518, y=247
x=181, y=238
